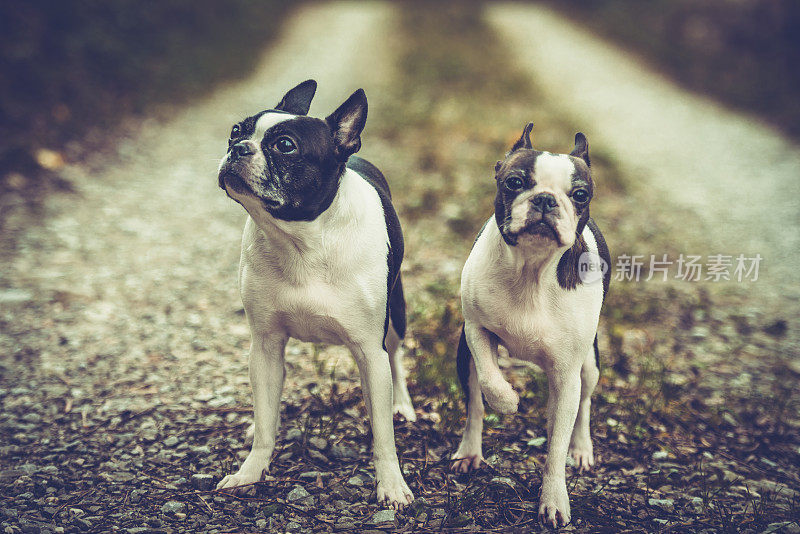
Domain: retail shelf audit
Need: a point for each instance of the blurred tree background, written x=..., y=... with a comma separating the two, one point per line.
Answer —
x=746, y=53
x=70, y=68
x=66, y=67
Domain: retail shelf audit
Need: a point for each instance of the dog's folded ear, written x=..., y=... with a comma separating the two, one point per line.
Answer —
x=298, y=100
x=346, y=124
x=581, y=149
x=525, y=139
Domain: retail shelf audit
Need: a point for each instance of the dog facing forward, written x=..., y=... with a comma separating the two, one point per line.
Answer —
x=320, y=262
x=532, y=284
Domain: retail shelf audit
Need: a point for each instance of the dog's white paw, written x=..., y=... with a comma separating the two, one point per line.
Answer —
x=393, y=491
x=252, y=471
x=465, y=464
x=582, y=452
x=238, y=483
x=405, y=409
x=554, y=504
x=500, y=396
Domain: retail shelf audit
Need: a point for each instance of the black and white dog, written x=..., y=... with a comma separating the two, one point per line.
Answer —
x=527, y=285
x=320, y=262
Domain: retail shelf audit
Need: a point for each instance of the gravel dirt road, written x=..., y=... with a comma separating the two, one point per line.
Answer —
x=123, y=376
x=738, y=175
x=120, y=305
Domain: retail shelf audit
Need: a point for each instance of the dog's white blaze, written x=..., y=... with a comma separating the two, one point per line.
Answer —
x=553, y=172
x=267, y=121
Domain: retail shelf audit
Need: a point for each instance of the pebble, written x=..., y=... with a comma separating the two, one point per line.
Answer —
x=202, y=482
x=298, y=493
x=355, y=481
x=341, y=451
x=537, y=442
x=294, y=434
x=344, y=523
x=382, y=516
x=785, y=527
x=665, y=504
x=697, y=504
x=173, y=507
x=319, y=443
x=171, y=441
x=503, y=482
x=318, y=456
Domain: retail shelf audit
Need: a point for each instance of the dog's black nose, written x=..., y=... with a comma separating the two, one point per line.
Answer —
x=240, y=150
x=544, y=202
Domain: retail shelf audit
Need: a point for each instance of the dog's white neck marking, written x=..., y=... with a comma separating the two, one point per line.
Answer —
x=310, y=243
x=532, y=262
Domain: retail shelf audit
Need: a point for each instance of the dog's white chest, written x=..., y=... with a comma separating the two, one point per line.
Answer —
x=327, y=283
x=542, y=323
x=533, y=327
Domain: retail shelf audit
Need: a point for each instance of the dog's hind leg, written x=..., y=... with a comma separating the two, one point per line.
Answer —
x=401, y=403
x=469, y=454
x=498, y=392
x=580, y=446
x=266, y=380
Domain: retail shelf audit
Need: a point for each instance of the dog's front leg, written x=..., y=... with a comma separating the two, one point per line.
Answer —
x=469, y=454
x=562, y=409
x=266, y=380
x=498, y=392
x=376, y=383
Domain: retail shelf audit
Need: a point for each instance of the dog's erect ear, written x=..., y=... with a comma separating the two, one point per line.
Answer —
x=525, y=139
x=346, y=123
x=581, y=149
x=298, y=100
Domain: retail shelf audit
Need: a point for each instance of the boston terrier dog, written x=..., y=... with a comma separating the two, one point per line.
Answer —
x=320, y=262
x=531, y=284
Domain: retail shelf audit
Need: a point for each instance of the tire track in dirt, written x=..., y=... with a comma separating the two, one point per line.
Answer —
x=738, y=175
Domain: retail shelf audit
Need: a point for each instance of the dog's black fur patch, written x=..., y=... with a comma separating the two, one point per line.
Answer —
x=396, y=305
x=602, y=250
x=463, y=357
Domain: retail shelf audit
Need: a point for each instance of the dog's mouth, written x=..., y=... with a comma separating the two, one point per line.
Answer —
x=230, y=180
x=233, y=182
x=542, y=228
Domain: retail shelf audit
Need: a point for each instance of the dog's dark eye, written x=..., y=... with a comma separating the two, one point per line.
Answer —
x=514, y=183
x=284, y=145
x=581, y=196
x=235, y=131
